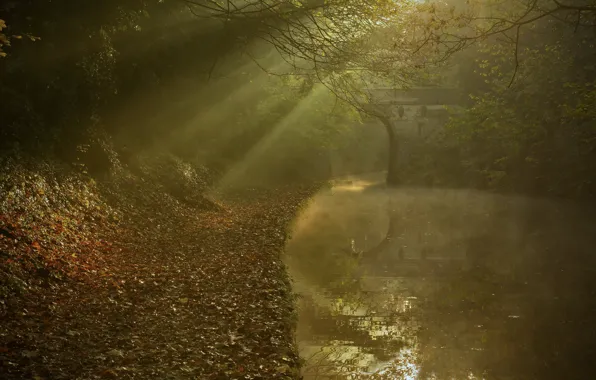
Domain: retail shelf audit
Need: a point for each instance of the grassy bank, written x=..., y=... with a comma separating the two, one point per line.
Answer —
x=139, y=275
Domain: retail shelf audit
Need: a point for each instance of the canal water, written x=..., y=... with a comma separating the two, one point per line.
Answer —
x=443, y=284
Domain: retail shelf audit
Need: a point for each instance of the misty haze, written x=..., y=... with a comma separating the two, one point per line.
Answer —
x=298, y=189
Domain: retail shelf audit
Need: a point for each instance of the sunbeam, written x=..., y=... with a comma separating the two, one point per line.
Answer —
x=239, y=171
x=297, y=189
x=248, y=86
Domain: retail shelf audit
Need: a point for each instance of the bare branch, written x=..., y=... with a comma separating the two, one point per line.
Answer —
x=586, y=8
x=516, y=57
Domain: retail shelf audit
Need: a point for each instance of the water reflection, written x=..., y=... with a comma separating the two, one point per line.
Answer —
x=442, y=284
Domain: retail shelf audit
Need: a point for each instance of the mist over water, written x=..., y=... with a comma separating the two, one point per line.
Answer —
x=442, y=284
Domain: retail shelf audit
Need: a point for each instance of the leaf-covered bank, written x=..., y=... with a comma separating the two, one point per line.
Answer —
x=121, y=279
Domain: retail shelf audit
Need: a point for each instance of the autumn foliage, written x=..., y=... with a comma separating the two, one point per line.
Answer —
x=126, y=269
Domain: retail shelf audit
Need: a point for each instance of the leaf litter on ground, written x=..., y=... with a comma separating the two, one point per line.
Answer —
x=121, y=280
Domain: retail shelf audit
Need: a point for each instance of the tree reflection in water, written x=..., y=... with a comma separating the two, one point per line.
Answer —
x=421, y=284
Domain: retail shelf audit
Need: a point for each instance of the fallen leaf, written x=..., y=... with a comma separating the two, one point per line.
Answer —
x=30, y=354
x=116, y=353
x=109, y=373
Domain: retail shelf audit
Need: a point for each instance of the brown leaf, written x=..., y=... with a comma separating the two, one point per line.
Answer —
x=110, y=373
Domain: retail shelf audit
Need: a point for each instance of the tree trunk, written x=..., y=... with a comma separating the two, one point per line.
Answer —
x=392, y=169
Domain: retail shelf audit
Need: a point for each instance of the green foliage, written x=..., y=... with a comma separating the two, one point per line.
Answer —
x=132, y=75
x=531, y=126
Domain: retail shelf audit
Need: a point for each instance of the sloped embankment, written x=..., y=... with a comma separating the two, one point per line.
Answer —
x=124, y=279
